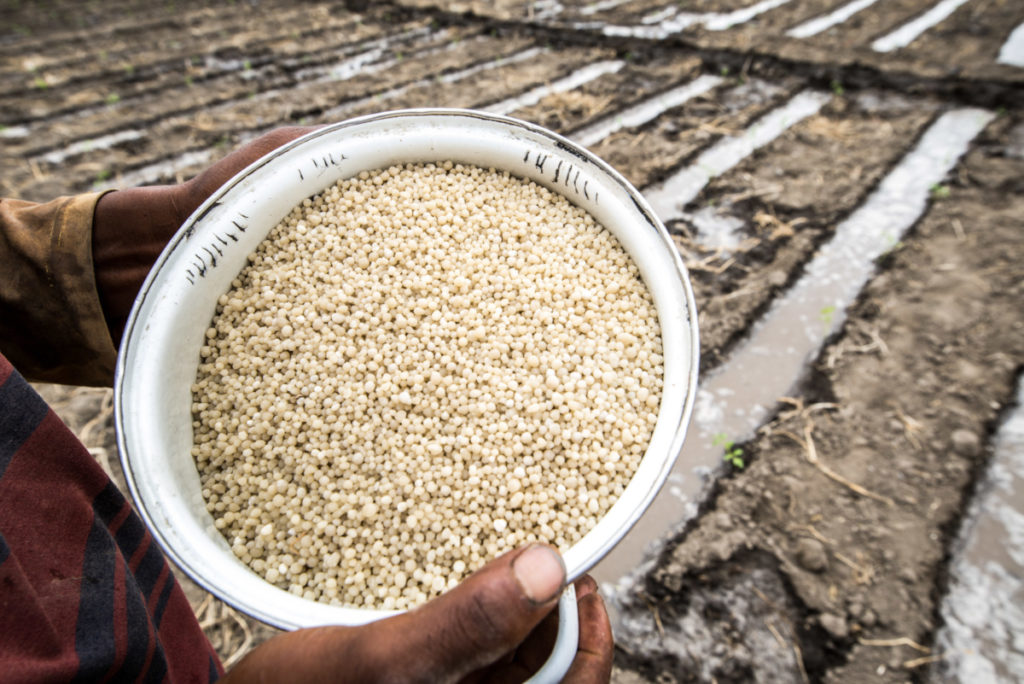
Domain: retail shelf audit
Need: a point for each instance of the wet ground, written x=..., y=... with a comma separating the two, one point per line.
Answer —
x=845, y=181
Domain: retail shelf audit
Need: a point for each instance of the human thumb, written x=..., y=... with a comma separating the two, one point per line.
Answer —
x=488, y=615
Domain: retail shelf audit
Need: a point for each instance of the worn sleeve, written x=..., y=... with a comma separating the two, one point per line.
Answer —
x=51, y=323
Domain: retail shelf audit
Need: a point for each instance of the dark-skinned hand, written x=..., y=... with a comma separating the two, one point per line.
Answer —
x=131, y=227
x=497, y=626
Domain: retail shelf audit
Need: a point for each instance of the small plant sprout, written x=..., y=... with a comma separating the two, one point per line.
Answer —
x=939, y=191
x=731, y=453
x=112, y=99
x=827, y=314
x=837, y=88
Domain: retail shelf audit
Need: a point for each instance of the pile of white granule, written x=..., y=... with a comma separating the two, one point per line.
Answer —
x=419, y=369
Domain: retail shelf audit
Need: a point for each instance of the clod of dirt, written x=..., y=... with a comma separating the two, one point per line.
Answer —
x=835, y=625
x=965, y=442
x=811, y=555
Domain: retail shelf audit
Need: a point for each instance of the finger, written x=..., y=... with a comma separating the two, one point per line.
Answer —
x=527, y=658
x=203, y=185
x=536, y=648
x=593, y=662
x=594, y=656
x=479, y=621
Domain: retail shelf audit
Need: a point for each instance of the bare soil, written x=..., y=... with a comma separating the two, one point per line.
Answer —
x=823, y=559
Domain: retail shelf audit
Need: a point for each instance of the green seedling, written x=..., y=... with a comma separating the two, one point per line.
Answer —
x=40, y=83
x=837, y=88
x=112, y=98
x=827, y=314
x=939, y=191
x=731, y=453
x=246, y=65
x=101, y=177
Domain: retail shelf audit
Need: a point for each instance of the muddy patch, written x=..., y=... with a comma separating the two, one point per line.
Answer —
x=855, y=488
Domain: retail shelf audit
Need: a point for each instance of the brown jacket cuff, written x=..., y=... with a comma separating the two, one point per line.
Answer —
x=52, y=327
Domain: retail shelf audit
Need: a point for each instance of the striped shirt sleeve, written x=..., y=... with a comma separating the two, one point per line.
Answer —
x=85, y=593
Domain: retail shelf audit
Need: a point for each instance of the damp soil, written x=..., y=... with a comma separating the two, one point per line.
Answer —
x=787, y=573
x=823, y=558
x=818, y=172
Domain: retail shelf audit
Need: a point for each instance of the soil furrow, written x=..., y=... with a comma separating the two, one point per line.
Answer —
x=182, y=95
x=119, y=32
x=636, y=81
x=171, y=136
x=251, y=64
x=675, y=137
x=927, y=358
x=202, y=125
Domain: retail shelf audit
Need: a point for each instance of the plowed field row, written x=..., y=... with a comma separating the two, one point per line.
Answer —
x=857, y=245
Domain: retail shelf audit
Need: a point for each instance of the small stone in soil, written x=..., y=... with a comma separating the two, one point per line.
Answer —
x=811, y=555
x=965, y=442
x=835, y=625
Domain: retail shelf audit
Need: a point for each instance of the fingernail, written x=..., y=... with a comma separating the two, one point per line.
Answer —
x=540, y=572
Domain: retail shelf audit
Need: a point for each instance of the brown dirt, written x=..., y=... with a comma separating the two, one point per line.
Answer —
x=901, y=404
x=786, y=574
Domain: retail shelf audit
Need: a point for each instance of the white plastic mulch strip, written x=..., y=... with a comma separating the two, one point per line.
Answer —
x=664, y=23
x=736, y=398
x=720, y=22
x=641, y=113
x=1012, y=52
x=601, y=6
x=370, y=51
x=827, y=21
x=908, y=33
x=668, y=27
x=570, y=82
x=668, y=198
x=515, y=58
x=167, y=168
x=983, y=611
x=83, y=146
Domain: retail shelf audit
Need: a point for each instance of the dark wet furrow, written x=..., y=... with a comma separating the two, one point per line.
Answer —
x=49, y=93
x=235, y=82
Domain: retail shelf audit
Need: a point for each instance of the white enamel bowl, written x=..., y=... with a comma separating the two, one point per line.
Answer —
x=160, y=351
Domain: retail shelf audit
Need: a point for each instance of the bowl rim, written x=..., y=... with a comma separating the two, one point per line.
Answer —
x=135, y=323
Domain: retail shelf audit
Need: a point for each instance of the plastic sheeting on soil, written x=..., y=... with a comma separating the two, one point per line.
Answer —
x=983, y=613
x=906, y=34
x=737, y=397
x=668, y=198
x=645, y=111
x=1012, y=52
x=827, y=21
x=572, y=81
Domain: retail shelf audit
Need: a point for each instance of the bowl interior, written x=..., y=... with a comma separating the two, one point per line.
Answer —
x=160, y=351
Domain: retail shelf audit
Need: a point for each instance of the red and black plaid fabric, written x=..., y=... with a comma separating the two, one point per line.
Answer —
x=85, y=593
